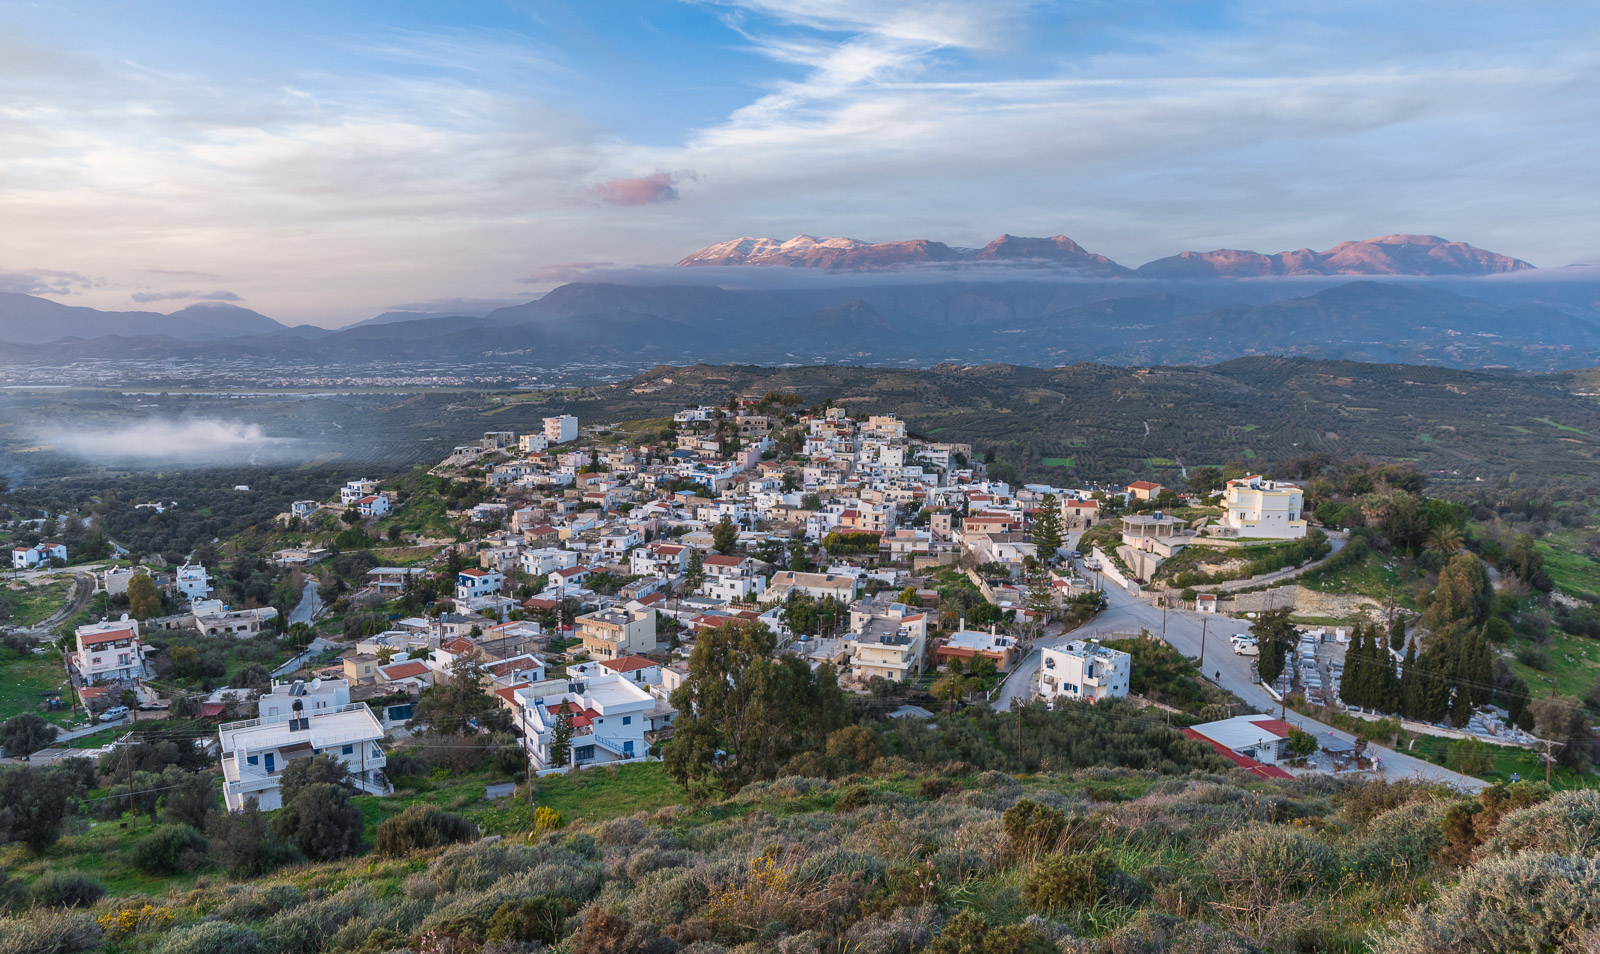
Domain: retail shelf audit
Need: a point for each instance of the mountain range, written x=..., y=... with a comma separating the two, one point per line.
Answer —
x=1416, y=299
x=1420, y=255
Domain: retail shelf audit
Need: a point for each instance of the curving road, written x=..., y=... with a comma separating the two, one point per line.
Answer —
x=1182, y=629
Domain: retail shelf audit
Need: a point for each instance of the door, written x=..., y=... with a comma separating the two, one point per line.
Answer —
x=271, y=762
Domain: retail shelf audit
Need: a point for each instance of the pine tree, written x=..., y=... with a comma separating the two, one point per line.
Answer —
x=1040, y=600
x=1046, y=529
x=725, y=536
x=1397, y=632
x=561, y=737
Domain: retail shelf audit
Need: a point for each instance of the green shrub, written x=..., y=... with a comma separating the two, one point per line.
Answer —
x=1527, y=902
x=65, y=889
x=1032, y=828
x=1568, y=824
x=531, y=919
x=421, y=826
x=1402, y=842
x=212, y=937
x=50, y=932
x=170, y=849
x=547, y=819
x=1065, y=882
x=1262, y=866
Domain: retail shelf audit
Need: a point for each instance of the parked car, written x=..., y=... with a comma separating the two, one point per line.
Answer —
x=1246, y=649
x=114, y=713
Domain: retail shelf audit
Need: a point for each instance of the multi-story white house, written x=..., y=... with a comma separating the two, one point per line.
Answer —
x=473, y=582
x=356, y=489
x=560, y=429
x=659, y=559
x=26, y=558
x=303, y=508
x=608, y=716
x=110, y=652
x=299, y=720
x=214, y=618
x=373, y=505
x=1257, y=507
x=615, y=543
x=547, y=560
x=193, y=581
x=732, y=578
x=1083, y=670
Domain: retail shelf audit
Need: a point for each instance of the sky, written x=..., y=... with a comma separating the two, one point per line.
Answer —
x=325, y=162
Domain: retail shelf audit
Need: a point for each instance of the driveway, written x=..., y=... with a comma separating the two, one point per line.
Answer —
x=310, y=605
x=1183, y=630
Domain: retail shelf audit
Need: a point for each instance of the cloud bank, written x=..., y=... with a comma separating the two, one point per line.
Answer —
x=143, y=297
x=644, y=190
x=175, y=440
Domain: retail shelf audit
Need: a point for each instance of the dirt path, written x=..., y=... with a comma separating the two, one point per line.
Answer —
x=78, y=598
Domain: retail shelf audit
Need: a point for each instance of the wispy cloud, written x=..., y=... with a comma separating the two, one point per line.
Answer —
x=150, y=296
x=46, y=282
x=156, y=440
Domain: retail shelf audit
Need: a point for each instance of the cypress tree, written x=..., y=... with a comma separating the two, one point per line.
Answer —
x=1389, y=685
x=1046, y=530
x=1410, y=684
x=1350, y=682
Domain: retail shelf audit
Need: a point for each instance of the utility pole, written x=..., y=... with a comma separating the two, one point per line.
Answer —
x=1163, y=617
x=127, y=756
x=1019, y=736
x=1550, y=746
x=1203, y=622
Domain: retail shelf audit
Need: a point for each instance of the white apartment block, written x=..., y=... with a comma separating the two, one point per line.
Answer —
x=471, y=583
x=300, y=720
x=1257, y=507
x=193, y=581
x=1083, y=670
x=26, y=558
x=617, y=632
x=560, y=429
x=548, y=560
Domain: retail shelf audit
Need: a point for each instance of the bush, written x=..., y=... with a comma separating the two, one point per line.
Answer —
x=1065, y=882
x=1402, y=842
x=531, y=919
x=421, y=826
x=212, y=937
x=1568, y=824
x=321, y=822
x=65, y=889
x=245, y=843
x=1263, y=866
x=1032, y=828
x=170, y=849
x=547, y=819
x=1528, y=902
x=50, y=932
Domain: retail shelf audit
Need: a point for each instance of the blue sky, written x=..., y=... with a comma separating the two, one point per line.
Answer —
x=326, y=161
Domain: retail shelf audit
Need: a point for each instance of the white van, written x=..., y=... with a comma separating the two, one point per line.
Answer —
x=114, y=713
x=1246, y=649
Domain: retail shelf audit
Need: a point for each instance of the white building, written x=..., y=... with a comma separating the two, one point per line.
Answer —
x=532, y=443
x=887, y=640
x=547, y=560
x=560, y=429
x=373, y=505
x=214, y=618
x=110, y=652
x=193, y=581
x=473, y=582
x=1257, y=737
x=1257, y=507
x=356, y=489
x=731, y=578
x=659, y=559
x=26, y=558
x=303, y=508
x=609, y=716
x=297, y=721
x=1083, y=669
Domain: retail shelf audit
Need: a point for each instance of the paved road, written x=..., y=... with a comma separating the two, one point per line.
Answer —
x=1184, y=630
x=310, y=604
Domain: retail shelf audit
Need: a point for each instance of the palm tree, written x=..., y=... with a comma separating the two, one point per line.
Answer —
x=1445, y=539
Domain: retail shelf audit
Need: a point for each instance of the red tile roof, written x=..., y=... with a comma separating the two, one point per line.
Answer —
x=628, y=663
x=720, y=560
x=1277, y=727
x=514, y=665
x=580, y=717
x=474, y=573
x=107, y=637
x=403, y=670
x=1144, y=485
x=459, y=645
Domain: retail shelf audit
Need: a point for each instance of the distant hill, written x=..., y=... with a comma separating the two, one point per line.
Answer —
x=1026, y=322
x=1418, y=255
x=847, y=254
x=30, y=319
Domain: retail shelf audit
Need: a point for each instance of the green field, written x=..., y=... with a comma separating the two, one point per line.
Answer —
x=1574, y=665
x=1561, y=427
x=1574, y=573
x=31, y=604
x=1057, y=462
x=1371, y=577
x=23, y=681
x=1507, y=760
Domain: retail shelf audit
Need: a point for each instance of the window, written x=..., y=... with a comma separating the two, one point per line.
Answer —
x=254, y=760
x=347, y=750
x=627, y=720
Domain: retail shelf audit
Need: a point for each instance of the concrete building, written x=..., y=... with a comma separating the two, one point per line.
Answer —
x=731, y=578
x=1257, y=507
x=560, y=429
x=887, y=640
x=214, y=618
x=967, y=645
x=1083, y=670
x=356, y=489
x=26, y=558
x=473, y=582
x=607, y=715
x=617, y=632
x=815, y=585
